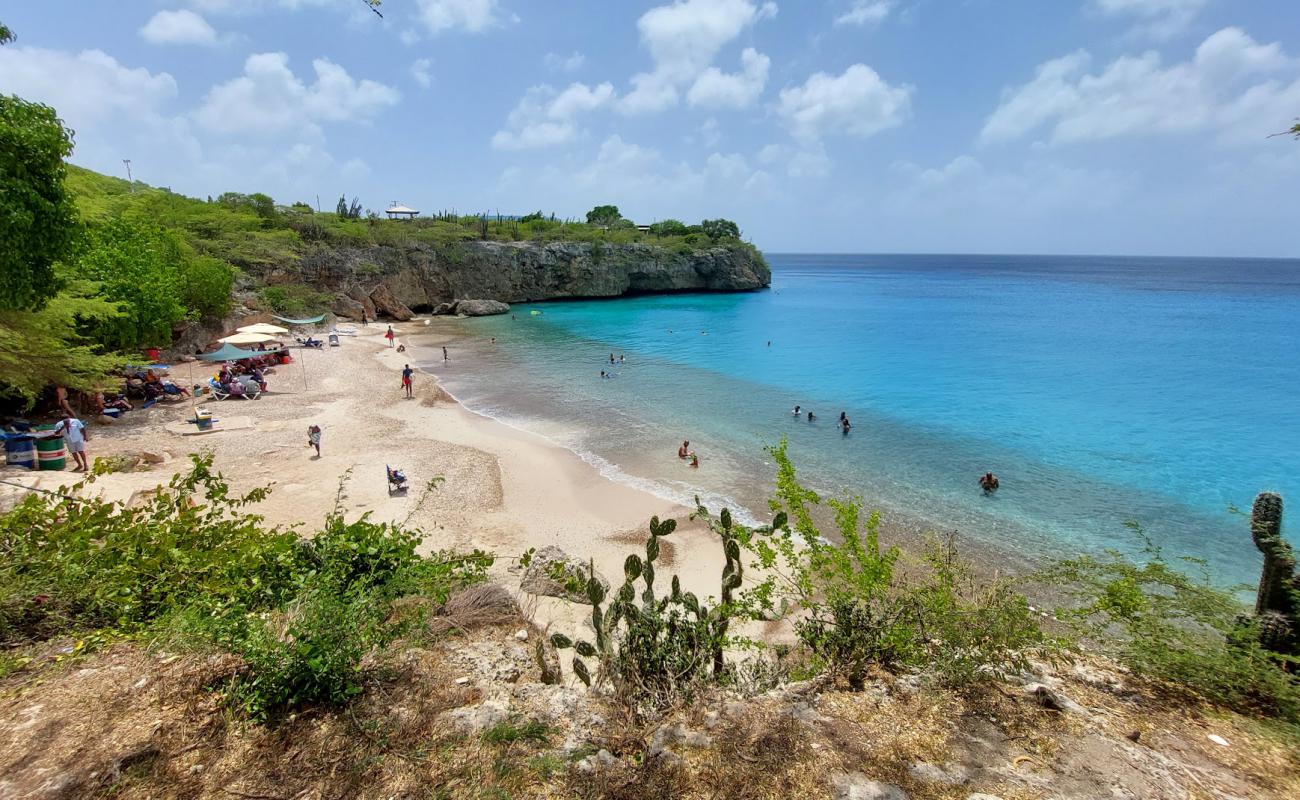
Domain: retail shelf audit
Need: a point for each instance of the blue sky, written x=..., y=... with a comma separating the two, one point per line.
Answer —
x=1002, y=126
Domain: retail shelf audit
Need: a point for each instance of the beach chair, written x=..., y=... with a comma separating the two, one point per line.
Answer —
x=396, y=481
x=217, y=391
x=252, y=390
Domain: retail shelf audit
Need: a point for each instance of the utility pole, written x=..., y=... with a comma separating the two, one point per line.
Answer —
x=129, y=180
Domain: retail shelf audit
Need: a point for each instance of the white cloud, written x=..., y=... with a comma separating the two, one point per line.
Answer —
x=810, y=161
x=420, y=72
x=558, y=63
x=469, y=15
x=1159, y=18
x=178, y=27
x=858, y=102
x=545, y=117
x=1224, y=87
x=717, y=89
x=269, y=99
x=866, y=12
x=683, y=39
x=85, y=88
x=710, y=132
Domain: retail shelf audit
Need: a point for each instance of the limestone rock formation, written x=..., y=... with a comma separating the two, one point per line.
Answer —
x=386, y=303
x=420, y=277
x=551, y=568
x=481, y=308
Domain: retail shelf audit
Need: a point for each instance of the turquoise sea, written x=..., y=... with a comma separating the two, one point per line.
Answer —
x=1098, y=389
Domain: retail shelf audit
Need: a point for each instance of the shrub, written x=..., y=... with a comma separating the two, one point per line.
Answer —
x=858, y=609
x=205, y=287
x=1173, y=626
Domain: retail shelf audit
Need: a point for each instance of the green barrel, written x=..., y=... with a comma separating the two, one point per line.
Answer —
x=50, y=452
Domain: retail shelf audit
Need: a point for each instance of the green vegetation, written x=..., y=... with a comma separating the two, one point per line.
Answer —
x=1171, y=626
x=194, y=566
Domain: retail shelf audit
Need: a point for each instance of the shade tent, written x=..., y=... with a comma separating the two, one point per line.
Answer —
x=247, y=338
x=229, y=352
x=263, y=327
x=310, y=321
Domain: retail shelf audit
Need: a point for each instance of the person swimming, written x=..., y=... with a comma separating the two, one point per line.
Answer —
x=695, y=461
x=604, y=374
x=611, y=358
x=684, y=451
x=989, y=483
x=845, y=425
x=812, y=417
x=620, y=358
x=795, y=412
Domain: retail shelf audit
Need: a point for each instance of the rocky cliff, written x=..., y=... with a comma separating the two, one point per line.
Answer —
x=395, y=280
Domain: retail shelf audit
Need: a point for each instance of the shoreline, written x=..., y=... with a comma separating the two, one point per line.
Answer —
x=504, y=489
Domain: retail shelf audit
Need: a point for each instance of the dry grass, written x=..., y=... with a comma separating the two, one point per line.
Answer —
x=479, y=606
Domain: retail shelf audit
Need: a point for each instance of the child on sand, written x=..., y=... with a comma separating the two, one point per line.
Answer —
x=313, y=438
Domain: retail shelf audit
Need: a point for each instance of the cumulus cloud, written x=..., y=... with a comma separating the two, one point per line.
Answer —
x=810, y=161
x=857, y=102
x=1159, y=18
x=558, y=63
x=866, y=12
x=717, y=89
x=178, y=27
x=269, y=99
x=420, y=72
x=85, y=88
x=683, y=38
x=546, y=117
x=1232, y=85
x=473, y=16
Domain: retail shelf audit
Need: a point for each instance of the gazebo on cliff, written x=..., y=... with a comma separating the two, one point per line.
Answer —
x=396, y=211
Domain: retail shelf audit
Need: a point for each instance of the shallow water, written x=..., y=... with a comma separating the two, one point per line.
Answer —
x=1100, y=390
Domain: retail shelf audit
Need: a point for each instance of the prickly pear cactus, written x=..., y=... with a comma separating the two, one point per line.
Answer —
x=1277, y=604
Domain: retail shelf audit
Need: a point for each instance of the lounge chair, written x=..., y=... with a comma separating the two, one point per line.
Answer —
x=217, y=391
x=396, y=481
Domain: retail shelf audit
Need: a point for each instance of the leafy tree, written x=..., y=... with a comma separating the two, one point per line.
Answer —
x=720, y=229
x=302, y=208
x=604, y=216
x=262, y=205
x=137, y=264
x=38, y=220
x=6, y=35
x=669, y=227
x=45, y=347
x=536, y=216
x=205, y=287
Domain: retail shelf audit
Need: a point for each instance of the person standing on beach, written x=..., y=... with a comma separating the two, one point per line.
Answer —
x=445, y=357
x=389, y=335
x=313, y=438
x=364, y=321
x=407, y=372
x=74, y=433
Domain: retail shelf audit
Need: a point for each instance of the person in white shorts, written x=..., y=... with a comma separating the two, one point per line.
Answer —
x=74, y=433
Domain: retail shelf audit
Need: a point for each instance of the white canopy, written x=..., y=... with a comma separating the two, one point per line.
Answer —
x=398, y=208
x=247, y=338
x=262, y=327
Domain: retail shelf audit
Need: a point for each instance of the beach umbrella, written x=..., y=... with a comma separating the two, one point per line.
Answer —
x=247, y=338
x=263, y=327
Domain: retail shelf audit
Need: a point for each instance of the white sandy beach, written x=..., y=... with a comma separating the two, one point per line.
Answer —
x=504, y=490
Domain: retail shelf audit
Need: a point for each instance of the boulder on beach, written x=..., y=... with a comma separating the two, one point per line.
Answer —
x=481, y=308
x=551, y=569
x=387, y=304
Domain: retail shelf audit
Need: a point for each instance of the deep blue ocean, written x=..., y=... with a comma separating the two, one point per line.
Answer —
x=1098, y=389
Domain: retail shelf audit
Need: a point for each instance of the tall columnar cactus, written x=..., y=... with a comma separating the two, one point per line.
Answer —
x=1277, y=605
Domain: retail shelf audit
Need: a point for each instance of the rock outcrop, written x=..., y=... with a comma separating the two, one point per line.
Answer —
x=480, y=308
x=419, y=277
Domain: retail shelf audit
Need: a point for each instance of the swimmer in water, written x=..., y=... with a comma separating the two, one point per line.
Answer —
x=603, y=374
x=684, y=451
x=695, y=461
x=989, y=483
x=611, y=358
x=845, y=425
x=795, y=412
x=812, y=417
